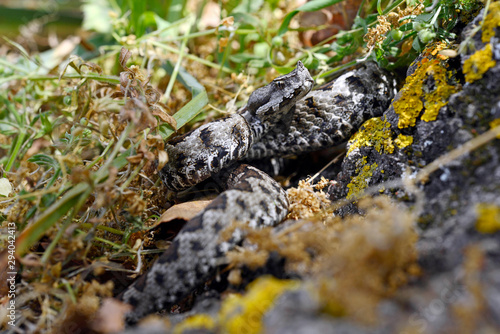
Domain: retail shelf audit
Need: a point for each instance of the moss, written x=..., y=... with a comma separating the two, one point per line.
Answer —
x=491, y=22
x=195, y=322
x=488, y=218
x=360, y=182
x=478, y=63
x=374, y=255
x=243, y=314
x=348, y=264
x=402, y=141
x=375, y=132
x=409, y=105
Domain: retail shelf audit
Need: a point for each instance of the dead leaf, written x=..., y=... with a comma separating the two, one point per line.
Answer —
x=172, y=220
x=164, y=116
x=228, y=21
x=110, y=317
x=155, y=141
x=92, y=66
x=152, y=95
x=124, y=57
x=333, y=19
x=223, y=43
x=184, y=211
x=162, y=159
x=135, y=159
x=210, y=17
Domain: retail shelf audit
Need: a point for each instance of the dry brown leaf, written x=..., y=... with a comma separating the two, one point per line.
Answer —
x=228, y=21
x=92, y=66
x=110, y=316
x=162, y=159
x=135, y=159
x=184, y=211
x=37, y=146
x=164, y=116
x=124, y=57
x=172, y=220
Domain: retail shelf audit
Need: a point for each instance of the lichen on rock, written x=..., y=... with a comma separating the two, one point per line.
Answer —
x=416, y=96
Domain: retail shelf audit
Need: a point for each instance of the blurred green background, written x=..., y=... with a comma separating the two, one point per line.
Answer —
x=62, y=17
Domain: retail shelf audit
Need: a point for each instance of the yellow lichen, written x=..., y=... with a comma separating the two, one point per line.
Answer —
x=438, y=98
x=402, y=141
x=360, y=182
x=195, y=322
x=478, y=63
x=488, y=218
x=243, y=313
x=374, y=132
x=409, y=105
x=491, y=22
x=494, y=123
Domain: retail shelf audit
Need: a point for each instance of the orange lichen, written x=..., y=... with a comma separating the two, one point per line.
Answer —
x=478, y=63
x=374, y=132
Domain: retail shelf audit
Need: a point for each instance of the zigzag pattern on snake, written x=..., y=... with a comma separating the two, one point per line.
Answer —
x=279, y=119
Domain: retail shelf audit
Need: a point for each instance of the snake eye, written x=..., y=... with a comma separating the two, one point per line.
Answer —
x=280, y=84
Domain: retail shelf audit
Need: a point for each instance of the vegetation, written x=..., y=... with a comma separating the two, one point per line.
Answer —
x=83, y=119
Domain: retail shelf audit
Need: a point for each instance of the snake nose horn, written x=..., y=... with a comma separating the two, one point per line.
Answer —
x=302, y=68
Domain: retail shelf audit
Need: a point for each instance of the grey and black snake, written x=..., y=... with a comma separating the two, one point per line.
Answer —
x=282, y=118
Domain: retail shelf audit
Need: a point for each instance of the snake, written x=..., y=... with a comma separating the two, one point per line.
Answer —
x=282, y=118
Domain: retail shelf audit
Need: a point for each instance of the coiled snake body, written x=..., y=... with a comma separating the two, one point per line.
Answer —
x=279, y=119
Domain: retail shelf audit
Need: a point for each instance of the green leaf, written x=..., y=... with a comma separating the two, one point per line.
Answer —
x=246, y=19
x=248, y=6
x=44, y=160
x=175, y=10
x=379, y=7
x=148, y=19
x=185, y=78
x=96, y=16
x=186, y=113
x=310, y=6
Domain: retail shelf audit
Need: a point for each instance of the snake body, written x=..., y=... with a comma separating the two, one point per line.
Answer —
x=329, y=115
x=280, y=118
x=208, y=149
x=193, y=256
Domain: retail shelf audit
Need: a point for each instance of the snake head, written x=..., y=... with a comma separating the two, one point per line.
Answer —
x=271, y=102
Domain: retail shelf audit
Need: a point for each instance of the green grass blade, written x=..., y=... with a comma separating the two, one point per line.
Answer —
x=47, y=219
x=186, y=113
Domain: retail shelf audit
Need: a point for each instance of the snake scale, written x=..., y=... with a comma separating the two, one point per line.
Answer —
x=281, y=118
